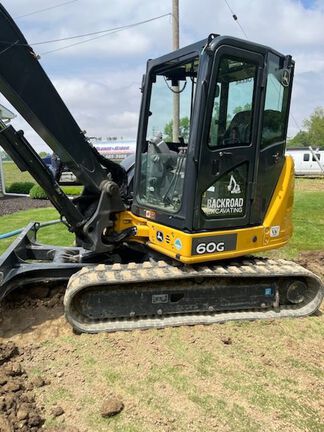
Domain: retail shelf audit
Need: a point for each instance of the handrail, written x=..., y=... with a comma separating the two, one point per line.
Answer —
x=20, y=230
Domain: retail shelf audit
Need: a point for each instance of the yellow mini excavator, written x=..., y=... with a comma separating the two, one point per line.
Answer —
x=165, y=239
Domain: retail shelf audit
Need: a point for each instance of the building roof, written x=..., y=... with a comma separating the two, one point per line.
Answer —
x=303, y=149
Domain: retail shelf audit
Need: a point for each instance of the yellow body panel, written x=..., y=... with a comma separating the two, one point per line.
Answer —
x=273, y=233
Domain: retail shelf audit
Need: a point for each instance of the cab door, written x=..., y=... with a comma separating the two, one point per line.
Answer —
x=229, y=146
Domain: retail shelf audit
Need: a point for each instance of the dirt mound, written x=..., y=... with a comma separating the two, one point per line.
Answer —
x=33, y=297
x=313, y=260
x=7, y=352
x=32, y=314
x=18, y=410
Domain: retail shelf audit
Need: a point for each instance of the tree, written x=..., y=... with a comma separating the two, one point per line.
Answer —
x=246, y=107
x=299, y=140
x=313, y=135
x=315, y=127
x=184, y=129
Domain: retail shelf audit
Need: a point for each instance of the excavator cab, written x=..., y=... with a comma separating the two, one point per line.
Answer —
x=223, y=169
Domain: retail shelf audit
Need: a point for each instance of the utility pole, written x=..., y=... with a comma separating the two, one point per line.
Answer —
x=175, y=46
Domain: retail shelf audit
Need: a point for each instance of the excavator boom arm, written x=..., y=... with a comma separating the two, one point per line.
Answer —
x=27, y=87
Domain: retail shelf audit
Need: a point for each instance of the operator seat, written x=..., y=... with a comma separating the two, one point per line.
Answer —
x=239, y=129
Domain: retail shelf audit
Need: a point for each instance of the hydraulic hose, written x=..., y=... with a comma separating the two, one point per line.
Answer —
x=18, y=231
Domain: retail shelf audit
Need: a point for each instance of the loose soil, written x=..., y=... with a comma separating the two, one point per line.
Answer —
x=250, y=376
x=314, y=261
x=10, y=204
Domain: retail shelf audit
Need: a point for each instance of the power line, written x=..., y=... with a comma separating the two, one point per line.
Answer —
x=100, y=31
x=235, y=18
x=295, y=121
x=45, y=9
x=80, y=43
x=107, y=33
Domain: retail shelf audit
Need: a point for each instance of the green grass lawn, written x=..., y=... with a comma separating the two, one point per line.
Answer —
x=12, y=174
x=56, y=234
x=308, y=222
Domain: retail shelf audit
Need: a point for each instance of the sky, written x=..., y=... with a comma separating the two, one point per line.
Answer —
x=99, y=80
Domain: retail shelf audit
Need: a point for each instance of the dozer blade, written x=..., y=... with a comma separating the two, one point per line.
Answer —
x=158, y=295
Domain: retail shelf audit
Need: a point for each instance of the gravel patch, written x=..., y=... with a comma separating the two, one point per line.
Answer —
x=10, y=205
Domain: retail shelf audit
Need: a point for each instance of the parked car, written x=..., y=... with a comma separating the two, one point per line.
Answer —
x=66, y=178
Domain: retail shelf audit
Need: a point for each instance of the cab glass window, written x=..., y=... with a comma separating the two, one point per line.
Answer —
x=275, y=109
x=231, y=120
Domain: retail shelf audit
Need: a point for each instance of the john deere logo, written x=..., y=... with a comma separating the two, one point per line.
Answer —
x=159, y=236
x=285, y=78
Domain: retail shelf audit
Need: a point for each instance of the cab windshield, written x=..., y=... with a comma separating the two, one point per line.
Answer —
x=164, y=152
